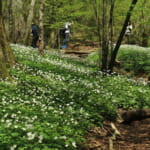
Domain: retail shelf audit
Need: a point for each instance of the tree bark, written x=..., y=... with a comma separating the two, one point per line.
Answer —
x=7, y=58
x=145, y=32
x=52, y=39
x=41, y=45
x=105, y=47
x=29, y=21
x=115, y=51
x=96, y=8
x=111, y=20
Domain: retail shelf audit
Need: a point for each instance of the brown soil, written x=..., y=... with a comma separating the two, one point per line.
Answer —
x=81, y=50
x=134, y=136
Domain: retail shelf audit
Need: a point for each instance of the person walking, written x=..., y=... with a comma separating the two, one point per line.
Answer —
x=66, y=35
x=35, y=34
x=128, y=32
x=128, y=29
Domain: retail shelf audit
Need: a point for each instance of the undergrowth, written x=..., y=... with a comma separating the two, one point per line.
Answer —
x=132, y=58
x=54, y=100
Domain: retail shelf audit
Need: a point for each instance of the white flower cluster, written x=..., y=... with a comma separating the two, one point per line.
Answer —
x=45, y=101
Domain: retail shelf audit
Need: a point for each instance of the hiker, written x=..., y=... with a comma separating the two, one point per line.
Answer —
x=128, y=29
x=62, y=34
x=66, y=35
x=128, y=32
x=35, y=34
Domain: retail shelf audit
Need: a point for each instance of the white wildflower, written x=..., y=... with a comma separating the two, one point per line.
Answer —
x=5, y=116
x=31, y=135
x=66, y=145
x=13, y=147
x=74, y=144
x=13, y=115
x=9, y=124
x=40, y=138
x=29, y=126
x=15, y=126
x=55, y=137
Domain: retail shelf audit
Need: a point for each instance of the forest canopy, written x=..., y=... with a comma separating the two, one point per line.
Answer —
x=86, y=16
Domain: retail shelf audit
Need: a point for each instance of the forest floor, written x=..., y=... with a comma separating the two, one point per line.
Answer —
x=83, y=50
x=133, y=136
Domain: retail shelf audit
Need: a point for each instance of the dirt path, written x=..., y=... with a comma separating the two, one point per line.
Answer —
x=134, y=136
x=81, y=50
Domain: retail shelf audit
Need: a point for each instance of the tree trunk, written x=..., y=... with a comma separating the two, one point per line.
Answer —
x=105, y=46
x=111, y=24
x=41, y=45
x=29, y=21
x=53, y=39
x=96, y=8
x=115, y=51
x=7, y=58
x=144, y=42
x=3, y=68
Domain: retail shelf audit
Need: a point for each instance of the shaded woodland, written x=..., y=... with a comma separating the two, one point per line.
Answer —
x=51, y=101
x=86, y=15
x=102, y=21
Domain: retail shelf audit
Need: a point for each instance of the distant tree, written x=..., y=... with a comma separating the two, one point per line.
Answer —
x=141, y=24
x=15, y=14
x=144, y=25
x=7, y=58
x=29, y=21
x=57, y=13
x=111, y=24
x=103, y=12
x=107, y=52
x=41, y=25
x=105, y=36
x=8, y=18
x=115, y=51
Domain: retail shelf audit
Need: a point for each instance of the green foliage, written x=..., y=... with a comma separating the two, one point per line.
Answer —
x=135, y=58
x=55, y=100
x=93, y=58
x=85, y=14
x=61, y=11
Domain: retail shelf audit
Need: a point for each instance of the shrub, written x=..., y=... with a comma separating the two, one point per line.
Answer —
x=93, y=58
x=134, y=58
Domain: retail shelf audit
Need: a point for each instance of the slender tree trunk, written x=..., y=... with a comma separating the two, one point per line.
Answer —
x=115, y=51
x=96, y=8
x=52, y=39
x=144, y=42
x=105, y=43
x=111, y=20
x=29, y=21
x=41, y=45
x=7, y=58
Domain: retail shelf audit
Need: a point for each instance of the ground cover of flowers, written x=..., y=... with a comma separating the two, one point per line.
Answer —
x=52, y=101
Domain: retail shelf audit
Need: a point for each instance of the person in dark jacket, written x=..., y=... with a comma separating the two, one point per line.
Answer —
x=35, y=34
